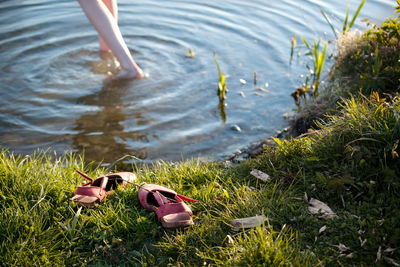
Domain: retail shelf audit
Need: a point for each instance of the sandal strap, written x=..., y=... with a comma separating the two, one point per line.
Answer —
x=86, y=177
x=161, y=200
x=172, y=208
x=185, y=198
x=93, y=191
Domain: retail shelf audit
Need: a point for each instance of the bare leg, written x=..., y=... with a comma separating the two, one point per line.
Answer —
x=113, y=8
x=105, y=24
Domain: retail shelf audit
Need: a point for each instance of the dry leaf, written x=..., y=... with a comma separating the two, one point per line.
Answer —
x=351, y=255
x=322, y=229
x=362, y=242
x=248, y=222
x=379, y=254
x=319, y=207
x=261, y=175
x=389, y=250
x=391, y=261
x=342, y=247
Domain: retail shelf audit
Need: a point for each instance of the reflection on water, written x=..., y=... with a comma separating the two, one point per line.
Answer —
x=53, y=95
x=102, y=132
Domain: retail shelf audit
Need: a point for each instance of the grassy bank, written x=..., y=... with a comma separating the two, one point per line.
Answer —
x=350, y=161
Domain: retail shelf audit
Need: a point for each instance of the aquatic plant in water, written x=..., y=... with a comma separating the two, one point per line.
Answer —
x=222, y=89
x=318, y=56
x=318, y=60
x=347, y=25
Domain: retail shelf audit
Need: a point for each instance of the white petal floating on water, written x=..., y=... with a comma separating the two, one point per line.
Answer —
x=242, y=94
x=266, y=85
x=248, y=222
x=261, y=175
x=242, y=81
x=320, y=208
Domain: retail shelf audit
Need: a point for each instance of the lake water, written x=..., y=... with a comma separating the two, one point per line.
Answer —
x=53, y=95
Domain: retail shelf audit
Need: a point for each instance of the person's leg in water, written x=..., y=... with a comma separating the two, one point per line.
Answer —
x=106, y=25
x=113, y=8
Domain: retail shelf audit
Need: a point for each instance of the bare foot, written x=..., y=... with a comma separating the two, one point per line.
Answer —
x=124, y=75
x=129, y=74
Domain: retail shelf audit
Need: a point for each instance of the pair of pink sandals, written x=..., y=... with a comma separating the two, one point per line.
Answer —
x=169, y=207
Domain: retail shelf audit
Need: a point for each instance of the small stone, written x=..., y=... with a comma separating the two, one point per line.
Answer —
x=236, y=128
x=240, y=158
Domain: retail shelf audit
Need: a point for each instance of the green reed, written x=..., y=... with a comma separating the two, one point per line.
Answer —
x=318, y=54
x=222, y=88
x=347, y=25
x=293, y=43
x=317, y=51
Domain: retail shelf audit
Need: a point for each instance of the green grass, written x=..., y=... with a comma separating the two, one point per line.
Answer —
x=39, y=226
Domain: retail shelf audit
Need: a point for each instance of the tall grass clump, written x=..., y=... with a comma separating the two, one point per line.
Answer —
x=352, y=163
x=361, y=141
x=372, y=58
x=365, y=62
x=347, y=24
x=318, y=53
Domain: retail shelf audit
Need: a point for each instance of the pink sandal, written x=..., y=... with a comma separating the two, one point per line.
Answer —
x=95, y=191
x=169, y=207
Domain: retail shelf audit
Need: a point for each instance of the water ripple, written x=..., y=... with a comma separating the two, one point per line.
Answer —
x=53, y=95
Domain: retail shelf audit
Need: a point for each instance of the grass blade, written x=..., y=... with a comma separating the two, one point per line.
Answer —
x=346, y=19
x=356, y=14
x=329, y=22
